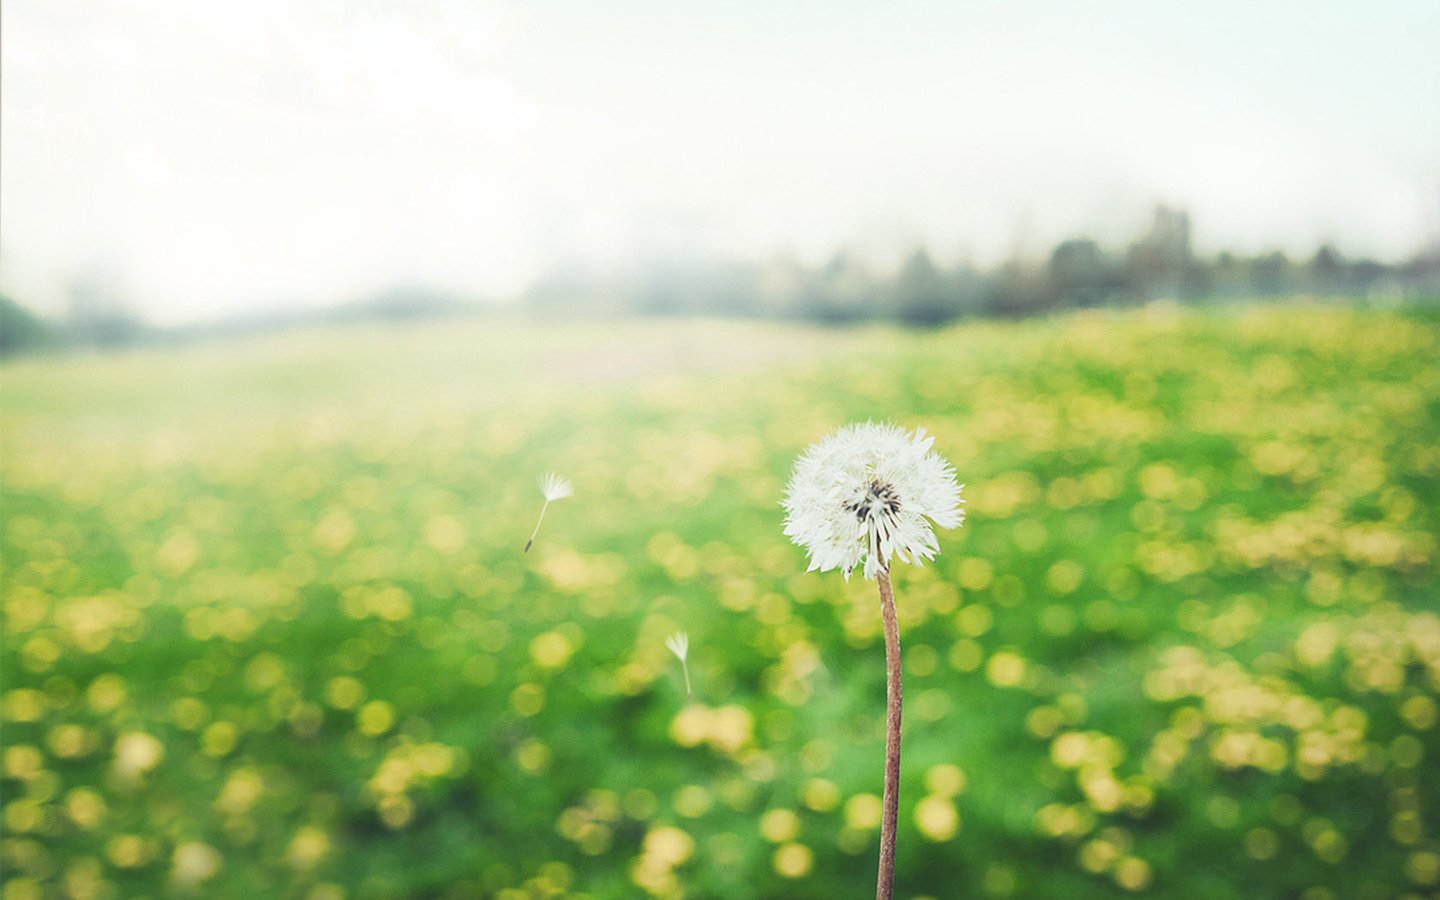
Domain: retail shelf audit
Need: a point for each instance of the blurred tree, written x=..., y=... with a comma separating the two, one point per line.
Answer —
x=97, y=315
x=922, y=294
x=840, y=291
x=21, y=331
x=1018, y=288
x=1081, y=275
x=1161, y=263
x=968, y=285
x=1227, y=276
x=402, y=302
x=780, y=286
x=1422, y=272
x=734, y=288
x=1270, y=274
x=1368, y=277
x=1327, y=271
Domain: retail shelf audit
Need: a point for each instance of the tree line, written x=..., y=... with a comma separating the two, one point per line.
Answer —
x=1078, y=273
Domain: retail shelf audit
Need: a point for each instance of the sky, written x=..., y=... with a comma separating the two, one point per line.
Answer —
x=207, y=159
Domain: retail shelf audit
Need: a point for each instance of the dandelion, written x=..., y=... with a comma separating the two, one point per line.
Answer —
x=679, y=644
x=870, y=492
x=865, y=492
x=553, y=487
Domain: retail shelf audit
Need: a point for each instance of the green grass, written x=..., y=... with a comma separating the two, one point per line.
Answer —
x=268, y=630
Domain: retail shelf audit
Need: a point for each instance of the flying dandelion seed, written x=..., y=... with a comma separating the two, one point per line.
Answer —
x=871, y=492
x=679, y=644
x=554, y=488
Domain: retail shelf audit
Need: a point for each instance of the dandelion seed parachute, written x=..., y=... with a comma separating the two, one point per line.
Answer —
x=870, y=492
x=554, y=487
x=679, y=644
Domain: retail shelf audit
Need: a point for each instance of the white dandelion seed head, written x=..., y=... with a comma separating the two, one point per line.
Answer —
x=679, y=644
x=555, y=487
x=866, y=492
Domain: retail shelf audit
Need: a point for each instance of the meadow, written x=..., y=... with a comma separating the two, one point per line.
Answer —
x=269, y=631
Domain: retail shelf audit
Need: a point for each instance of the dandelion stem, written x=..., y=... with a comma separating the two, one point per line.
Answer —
x=685, y=667
x=543, y=507
x=891, y=803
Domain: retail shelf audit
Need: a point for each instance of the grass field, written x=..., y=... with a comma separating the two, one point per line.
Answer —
x=268, y=630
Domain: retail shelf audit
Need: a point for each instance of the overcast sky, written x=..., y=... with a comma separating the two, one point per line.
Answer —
x=213, y=157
